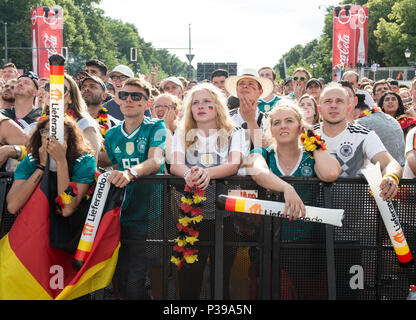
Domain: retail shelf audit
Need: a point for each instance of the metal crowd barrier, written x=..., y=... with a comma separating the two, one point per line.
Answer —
x=273, y=258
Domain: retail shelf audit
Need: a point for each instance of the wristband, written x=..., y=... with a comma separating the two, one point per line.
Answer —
x=39, y=166
x=393, y=176
x=23, y=153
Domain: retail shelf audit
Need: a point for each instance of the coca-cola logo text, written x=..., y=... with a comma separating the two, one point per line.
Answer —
x=50, y=43
x=343, y=46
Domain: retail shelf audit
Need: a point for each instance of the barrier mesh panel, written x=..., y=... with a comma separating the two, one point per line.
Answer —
x=264, y=257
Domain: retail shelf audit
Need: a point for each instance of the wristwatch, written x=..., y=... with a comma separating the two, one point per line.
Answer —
x=18, y=151
x=133, y=173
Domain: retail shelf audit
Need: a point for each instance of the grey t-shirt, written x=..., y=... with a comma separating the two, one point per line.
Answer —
x=389, y=131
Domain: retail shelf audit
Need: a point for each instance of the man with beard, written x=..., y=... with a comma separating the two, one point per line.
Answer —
x=7, y=94
x=93, y=91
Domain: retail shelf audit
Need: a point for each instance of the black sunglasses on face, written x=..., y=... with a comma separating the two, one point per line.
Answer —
x=135, y=96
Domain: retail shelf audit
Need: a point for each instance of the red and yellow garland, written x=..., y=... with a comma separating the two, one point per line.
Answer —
x=65, y=198
x=103, y=121
x=367, y=112
x=185, y=250
x=312, y=141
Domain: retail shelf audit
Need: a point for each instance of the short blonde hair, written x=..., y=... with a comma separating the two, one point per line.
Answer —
x=138, y=82
x=174, y=99
x=284, y=104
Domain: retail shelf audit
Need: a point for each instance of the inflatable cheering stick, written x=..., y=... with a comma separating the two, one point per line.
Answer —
x=276, y=209
x=390, y=218
x=57, y=93
x=92, y=221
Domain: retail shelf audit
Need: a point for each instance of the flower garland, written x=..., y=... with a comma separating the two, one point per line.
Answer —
x=312, y=141
x=92, y=186
x=69, y=113
x=368, y=112
x=405, y=121
x=185, y=251
x=65, y=198
x=103, y=121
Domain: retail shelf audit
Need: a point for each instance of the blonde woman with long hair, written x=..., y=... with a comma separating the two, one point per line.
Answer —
x=287, y=157
x=207, y=146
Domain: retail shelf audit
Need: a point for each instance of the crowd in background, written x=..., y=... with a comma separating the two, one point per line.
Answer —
x=136, y=125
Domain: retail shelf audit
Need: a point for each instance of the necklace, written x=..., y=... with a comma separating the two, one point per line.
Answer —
x=289, y=166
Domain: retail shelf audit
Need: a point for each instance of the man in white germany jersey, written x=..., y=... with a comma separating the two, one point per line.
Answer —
x=352, y=144
x=249, y=87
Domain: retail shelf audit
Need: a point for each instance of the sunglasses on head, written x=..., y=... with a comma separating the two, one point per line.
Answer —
x=30, y=74
x=47, y=87
x=299, y=78
x=135, y=96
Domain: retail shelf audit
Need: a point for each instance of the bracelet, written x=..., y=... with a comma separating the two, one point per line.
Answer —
x=23, y=153
x=186, y=174
x=312, y=141
x=393, y=176
x=39, y=166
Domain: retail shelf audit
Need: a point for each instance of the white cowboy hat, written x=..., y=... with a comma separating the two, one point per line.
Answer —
x=266, y=84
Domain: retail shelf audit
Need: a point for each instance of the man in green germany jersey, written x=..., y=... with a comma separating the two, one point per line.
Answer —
x=135, y=148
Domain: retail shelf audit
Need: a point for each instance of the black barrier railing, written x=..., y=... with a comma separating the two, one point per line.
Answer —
x=262, y=257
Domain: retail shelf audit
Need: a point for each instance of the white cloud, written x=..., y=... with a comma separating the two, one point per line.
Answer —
x=252, y=33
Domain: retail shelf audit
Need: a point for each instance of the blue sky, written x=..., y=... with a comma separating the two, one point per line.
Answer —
x=252, y=33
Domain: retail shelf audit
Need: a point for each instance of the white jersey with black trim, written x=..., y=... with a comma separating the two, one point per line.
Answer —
x=352, y=147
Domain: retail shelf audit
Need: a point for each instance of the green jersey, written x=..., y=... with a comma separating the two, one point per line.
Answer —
x=128, y=150
x=304, y=167
x=267, y=106
x=308, y=193
x=82, y=170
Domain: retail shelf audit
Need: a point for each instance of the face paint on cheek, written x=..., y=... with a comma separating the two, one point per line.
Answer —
x=211, y=107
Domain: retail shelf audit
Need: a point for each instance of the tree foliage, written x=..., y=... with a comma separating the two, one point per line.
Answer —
x=391, y=29
x=88, y=34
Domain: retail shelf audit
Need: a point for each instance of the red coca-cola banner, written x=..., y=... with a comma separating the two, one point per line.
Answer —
x=349, y=38
x=47, y=24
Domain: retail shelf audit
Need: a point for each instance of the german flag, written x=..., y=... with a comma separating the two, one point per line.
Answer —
x=32, y=269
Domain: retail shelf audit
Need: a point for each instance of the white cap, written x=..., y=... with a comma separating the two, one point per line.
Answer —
x=175, y=80
x=123, y=69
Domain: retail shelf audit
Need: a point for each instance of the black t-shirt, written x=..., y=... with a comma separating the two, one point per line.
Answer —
x=31, y=117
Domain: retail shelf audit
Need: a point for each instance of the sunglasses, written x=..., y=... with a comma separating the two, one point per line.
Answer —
x=135, y=96
x=164, y=106
x=47, y=87
x=118, y=78
x=44, y=132
x=32, y=76
x=299, y=78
